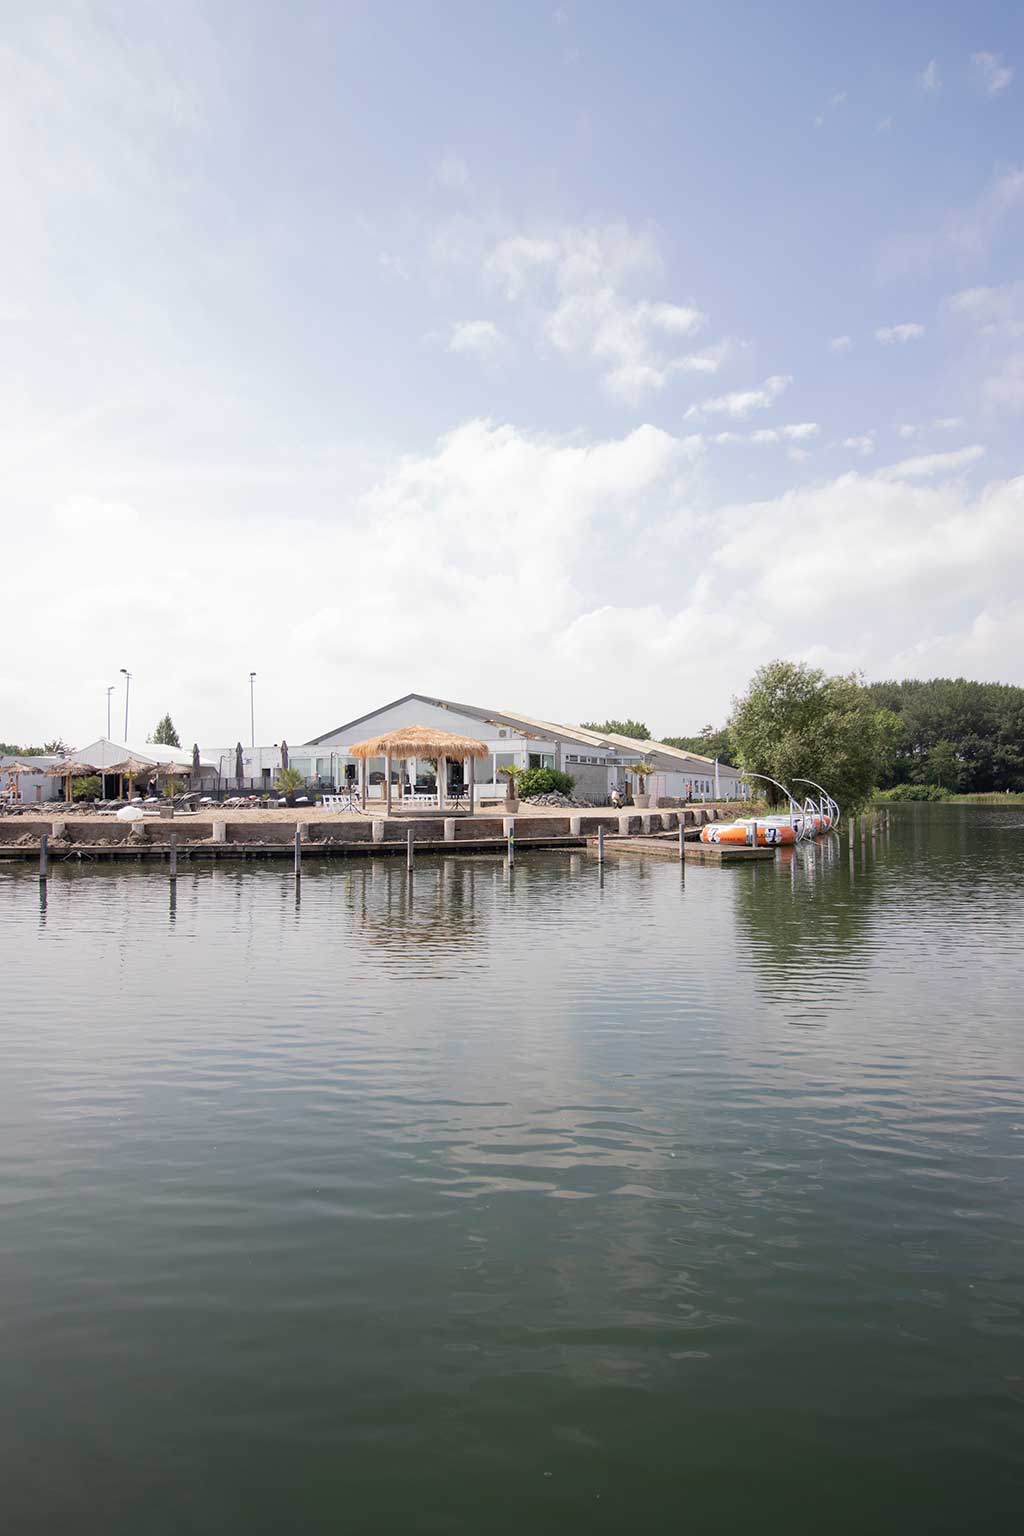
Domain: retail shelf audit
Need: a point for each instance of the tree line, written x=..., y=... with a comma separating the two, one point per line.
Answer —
x=796, y=722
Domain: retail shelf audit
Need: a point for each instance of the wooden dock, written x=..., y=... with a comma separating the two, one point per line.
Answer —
x=667, y=847
x=723, y=853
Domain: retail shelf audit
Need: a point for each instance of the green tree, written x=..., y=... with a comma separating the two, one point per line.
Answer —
x=165, y=734
x=796, y=722
x=983, y=722
x=944, y=765
x=289, y=780
x=634, y=728
x=710, y=743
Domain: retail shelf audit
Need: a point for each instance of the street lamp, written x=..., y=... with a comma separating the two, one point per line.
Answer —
x=109, y=692
x=252, y=711
x=127, y=685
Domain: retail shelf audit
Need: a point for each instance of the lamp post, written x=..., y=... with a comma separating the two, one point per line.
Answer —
x=109, y=692
x=252, y=711
x=127, y=685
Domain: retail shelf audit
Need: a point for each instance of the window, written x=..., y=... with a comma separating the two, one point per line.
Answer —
x=542, y=760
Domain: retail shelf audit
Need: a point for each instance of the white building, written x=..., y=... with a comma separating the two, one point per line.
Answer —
x=260, y=767
x=30, y=788
x=598, y=763
x=105, y=754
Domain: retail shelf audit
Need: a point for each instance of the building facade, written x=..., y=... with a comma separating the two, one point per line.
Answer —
x=598, y=763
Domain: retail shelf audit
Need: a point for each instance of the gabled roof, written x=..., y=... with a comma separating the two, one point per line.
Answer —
x=522, y=723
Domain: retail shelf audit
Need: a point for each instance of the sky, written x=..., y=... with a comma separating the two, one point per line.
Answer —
x=568, y=358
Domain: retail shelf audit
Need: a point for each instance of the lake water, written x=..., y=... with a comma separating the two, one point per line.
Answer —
x=509, y=1203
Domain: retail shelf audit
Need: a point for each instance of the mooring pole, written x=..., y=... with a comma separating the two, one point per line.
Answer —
x=511, y=842
x=600, y=844
x=853, y=828
x=408, y=850
x=174, y=856
x=298, y=854
x=682, y=841
x=44, y=856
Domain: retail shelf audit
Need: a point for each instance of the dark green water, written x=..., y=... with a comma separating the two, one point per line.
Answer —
x=518, y=1204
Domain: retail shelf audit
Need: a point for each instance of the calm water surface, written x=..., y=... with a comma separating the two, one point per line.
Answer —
x=518, y=1203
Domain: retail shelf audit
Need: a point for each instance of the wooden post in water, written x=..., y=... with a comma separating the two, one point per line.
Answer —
x=511, y=842
x=44, y=856
x=408, y=850
x=174, y=856
x=682, y=841
x=853, y=828
x=600, y=843
x=298, y=854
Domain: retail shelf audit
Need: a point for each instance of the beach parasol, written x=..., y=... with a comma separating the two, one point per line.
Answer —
x=15, y=770
x=196, y=766
x=70, y=769
x=239, y=765
x=131, y=768
x=284, y=753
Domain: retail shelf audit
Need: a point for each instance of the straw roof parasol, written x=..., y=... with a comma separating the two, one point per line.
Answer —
x=419, y=741
x=133, y=766
x=173, y=770
x=17, y=767
x=72, y=768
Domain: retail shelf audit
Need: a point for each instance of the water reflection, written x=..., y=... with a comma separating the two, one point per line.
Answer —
x=412, y=1193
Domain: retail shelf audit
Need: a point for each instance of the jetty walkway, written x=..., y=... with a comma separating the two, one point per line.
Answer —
x=265, y=834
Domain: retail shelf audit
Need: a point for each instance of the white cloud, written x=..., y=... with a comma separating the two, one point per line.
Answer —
x=567, y=289
x=793, y=432
x=864, y=444
x=798, y=431
x=840, y=344
x=452, y=173
x=929, y=76
x=996, y=312
x=879, y=556
x=890, y=335
x=906, y=430
x=995, y=76
x=996, y=318
x=929, y=465
x=884, y=125
x=948, y=423
x=393, y=266
x=477, y=338
x=797, y=455
x=741, y=402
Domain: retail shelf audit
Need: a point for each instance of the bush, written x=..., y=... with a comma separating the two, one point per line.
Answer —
x=86, y=788
x=541, y=781
x=902, y=792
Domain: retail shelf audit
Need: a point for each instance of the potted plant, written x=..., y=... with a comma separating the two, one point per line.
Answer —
x=641, y=772
x=288, y=782
x=511, y=776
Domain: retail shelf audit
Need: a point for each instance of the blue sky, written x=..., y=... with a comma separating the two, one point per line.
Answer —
x=569, y=358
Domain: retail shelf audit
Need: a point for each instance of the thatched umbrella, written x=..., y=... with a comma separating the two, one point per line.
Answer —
x=131, y=768
x=15, y=770
x=419, y=741
x=70, y=769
